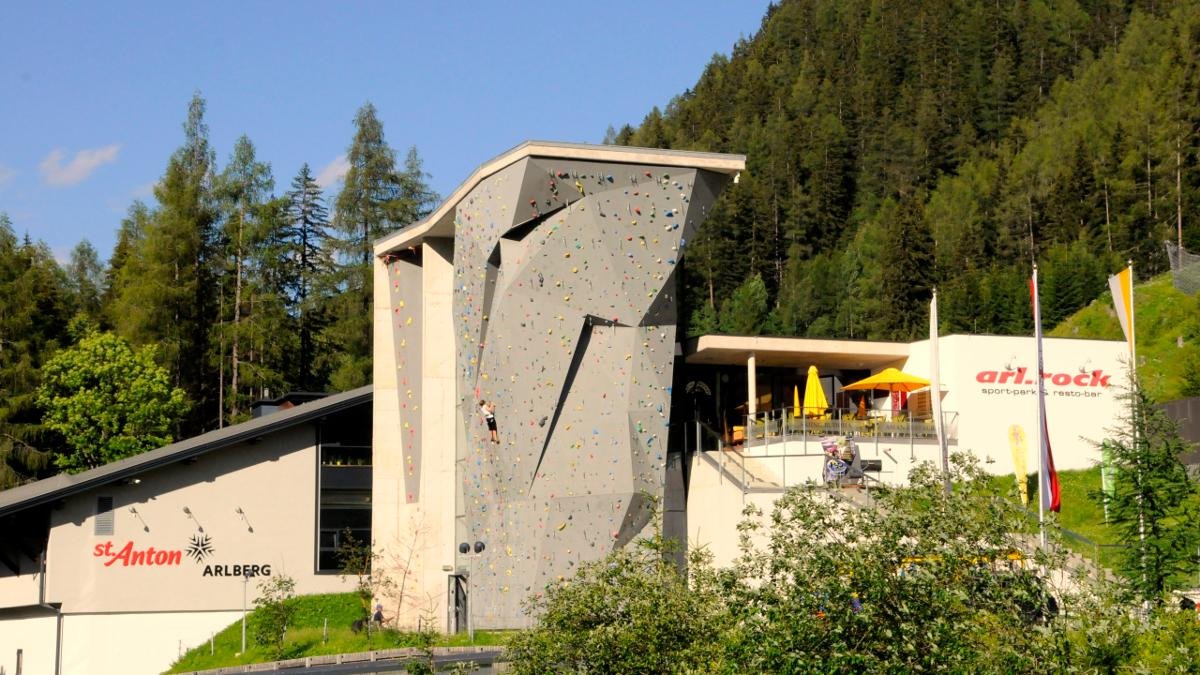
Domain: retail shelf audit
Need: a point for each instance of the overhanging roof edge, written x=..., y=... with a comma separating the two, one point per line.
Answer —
x=709, y=161
x=56, y=487
x=790, y=344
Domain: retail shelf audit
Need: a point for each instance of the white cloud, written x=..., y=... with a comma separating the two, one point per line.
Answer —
x=333, y=173
x=80, y=167
x=6, y=174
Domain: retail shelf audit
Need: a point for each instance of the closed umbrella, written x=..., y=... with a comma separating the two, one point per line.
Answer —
x=815, y=403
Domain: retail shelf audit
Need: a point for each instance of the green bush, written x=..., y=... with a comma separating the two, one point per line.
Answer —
x=275, y=608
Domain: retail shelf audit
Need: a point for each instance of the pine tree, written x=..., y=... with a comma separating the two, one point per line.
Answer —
x=34, y=309
x=165, y=288
x=270, y=331
x=1155, y=505
x=907, y=271
x=744, y=312
x=85, y=275
x=241, y=192
x=130, y=236
x=374, y=201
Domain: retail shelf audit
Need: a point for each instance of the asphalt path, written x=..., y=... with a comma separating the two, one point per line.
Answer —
x=484, y=660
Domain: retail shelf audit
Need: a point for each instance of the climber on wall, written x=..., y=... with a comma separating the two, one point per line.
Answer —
x=488, y=410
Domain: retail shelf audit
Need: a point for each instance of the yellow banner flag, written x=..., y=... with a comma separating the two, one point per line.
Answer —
x=1121, y=285
x=1016, y=441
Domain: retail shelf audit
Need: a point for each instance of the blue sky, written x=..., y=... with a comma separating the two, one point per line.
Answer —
x=94, y=95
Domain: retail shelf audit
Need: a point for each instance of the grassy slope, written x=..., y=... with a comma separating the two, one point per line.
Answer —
x=1164, y=318
x=305, y=636
x=1168, y=335
x=1080, y=513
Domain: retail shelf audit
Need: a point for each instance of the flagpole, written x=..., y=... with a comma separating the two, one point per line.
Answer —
x=1133, y=411
x=935, y=391
x=1041, y=414
x=1132, y=326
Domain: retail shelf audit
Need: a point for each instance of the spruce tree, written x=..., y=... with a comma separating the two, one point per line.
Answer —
x=304, y=250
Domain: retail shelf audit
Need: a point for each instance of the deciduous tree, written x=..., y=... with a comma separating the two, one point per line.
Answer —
x=107, y=401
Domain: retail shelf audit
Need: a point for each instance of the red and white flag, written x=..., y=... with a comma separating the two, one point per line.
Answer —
x=1048, y=492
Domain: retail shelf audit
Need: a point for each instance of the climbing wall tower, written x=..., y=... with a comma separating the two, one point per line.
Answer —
x=545, y=285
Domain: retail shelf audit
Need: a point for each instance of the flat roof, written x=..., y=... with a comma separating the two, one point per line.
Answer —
x=64, y=484
x=440, y=223
x=730, y=350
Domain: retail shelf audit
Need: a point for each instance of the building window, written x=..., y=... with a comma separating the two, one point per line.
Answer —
x=344, y=508
x=104, y=516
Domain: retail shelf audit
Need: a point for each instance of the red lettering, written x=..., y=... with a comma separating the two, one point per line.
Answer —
x=122, y=555
x=1096, y=378
x=128, y=556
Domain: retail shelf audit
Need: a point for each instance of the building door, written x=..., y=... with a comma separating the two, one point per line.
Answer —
x=458, y=603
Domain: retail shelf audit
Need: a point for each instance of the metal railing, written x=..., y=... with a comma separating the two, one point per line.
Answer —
x=783, y=423
x=759, y=473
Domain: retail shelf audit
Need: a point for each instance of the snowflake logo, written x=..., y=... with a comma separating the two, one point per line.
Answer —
x=200, y=547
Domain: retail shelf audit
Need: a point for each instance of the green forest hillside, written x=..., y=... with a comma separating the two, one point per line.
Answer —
x=893, y=147
x=1168, y=335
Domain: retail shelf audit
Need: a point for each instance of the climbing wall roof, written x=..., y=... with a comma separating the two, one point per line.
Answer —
x=440, y=223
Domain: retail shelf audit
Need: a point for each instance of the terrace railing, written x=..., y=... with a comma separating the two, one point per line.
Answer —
x=783, y=423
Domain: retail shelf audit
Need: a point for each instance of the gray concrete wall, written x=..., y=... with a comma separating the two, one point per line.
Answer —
x=564, y=316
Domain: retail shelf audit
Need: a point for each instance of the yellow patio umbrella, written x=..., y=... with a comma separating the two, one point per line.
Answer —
x=890, y=380
x=815, y=402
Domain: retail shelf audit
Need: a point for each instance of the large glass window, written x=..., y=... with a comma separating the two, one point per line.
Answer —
x=345, y=485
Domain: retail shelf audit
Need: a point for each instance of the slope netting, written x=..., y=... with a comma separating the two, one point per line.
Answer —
x=1185, y=268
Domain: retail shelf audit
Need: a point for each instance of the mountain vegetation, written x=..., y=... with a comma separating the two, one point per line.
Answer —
x=238, y=291
x=891, y=148
x=894, y=147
